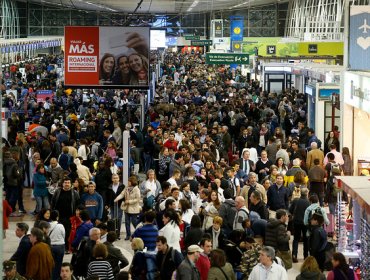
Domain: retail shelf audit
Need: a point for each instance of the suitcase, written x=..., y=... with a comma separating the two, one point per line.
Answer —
x=112, y=223
x=330, y=229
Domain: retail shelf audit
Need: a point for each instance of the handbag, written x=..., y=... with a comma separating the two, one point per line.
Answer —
x=223, y=272
x=286, y=257
x=52, y=187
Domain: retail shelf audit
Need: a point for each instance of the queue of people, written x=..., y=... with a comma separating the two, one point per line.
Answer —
x=227, y=167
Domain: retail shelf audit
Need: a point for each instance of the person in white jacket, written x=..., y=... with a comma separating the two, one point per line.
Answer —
x=57, y=240
x=268, y=269
x=171, y=230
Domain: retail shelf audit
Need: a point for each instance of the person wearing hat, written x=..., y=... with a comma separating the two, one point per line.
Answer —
x=187, y=269
x=10, y=271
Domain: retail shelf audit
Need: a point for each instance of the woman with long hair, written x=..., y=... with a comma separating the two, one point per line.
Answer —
x=131, y=204
x=171, y=229
x=220, y=269
x=330, y=139
x=282, y=168
x=195, y=233
x=106, y=69
x=43, y=215
x=79, y=186
x=310, y=270
x=139, y=66
x=348, y=164
x=211, y=210
x=341, y=270
x=40, y=191
x=187, y=212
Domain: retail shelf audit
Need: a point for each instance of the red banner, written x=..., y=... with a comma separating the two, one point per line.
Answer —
x=106, y=56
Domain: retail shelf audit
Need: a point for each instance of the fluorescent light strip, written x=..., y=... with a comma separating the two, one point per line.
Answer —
x=193, y=5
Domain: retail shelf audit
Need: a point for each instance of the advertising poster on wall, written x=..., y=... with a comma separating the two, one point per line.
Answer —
x=114, y=57
x=359, y=41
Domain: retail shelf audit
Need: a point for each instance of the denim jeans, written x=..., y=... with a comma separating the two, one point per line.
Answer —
x=12, y=194
x=58, y=254
x=148, y=162
x=131, y=218
x=42, y=202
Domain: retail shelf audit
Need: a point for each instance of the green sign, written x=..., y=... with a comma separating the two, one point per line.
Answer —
x=227, y=58
x=200, y=43
x=192, y=37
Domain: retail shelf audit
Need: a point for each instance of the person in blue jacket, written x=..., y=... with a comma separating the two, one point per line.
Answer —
x=93, y=203
x=40, y=190
x=83, y=229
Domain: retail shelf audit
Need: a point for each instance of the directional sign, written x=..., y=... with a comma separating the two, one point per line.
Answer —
x=227, y=58
x=271, y=50
x=201, y=43
x=192, y=37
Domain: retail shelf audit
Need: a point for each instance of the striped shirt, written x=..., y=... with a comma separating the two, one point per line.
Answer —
x=148, y=233
x=100, y=268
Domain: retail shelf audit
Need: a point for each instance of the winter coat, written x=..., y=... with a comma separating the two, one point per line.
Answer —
x=310, y=275
x=276, y=235
x=40, y=185
x=215, y=273
x=132, y=199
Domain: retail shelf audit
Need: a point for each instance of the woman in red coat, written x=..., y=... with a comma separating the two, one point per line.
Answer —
x=7, y=210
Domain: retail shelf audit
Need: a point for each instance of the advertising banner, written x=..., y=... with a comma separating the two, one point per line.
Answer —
x=237, y=28
x=43, y=94
x=359, y=41
x=114, y=57
x=218, y=29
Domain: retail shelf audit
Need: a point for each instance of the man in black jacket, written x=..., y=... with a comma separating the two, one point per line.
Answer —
x=298, y=208
x=168, y=259
x=24, y=247
x=278, y=237
x=258, y=206
x=115, y=257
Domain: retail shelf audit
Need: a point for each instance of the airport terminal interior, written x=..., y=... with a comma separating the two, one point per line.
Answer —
x=185, y=139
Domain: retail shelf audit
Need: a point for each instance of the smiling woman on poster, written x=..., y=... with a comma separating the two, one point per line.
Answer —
x=122, y=75
x=139, y=69
x=106, y=69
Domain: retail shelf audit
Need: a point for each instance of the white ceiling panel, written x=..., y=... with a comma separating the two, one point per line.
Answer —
x=157, y=6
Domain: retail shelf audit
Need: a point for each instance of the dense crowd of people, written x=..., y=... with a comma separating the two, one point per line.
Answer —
x=232, y=173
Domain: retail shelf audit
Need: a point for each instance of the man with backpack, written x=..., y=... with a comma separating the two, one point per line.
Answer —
x=167, y=260
x=228, y=212
x=242, y=214
x=314, y=207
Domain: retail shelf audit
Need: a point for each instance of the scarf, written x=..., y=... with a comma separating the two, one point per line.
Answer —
x=215, y=234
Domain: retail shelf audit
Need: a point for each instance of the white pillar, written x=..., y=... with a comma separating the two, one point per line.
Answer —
x=126, y=157
x=142, y=110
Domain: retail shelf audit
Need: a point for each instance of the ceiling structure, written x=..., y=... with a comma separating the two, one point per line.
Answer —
x=156, y=6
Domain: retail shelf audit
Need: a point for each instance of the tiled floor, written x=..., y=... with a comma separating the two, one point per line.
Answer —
x=11, y=242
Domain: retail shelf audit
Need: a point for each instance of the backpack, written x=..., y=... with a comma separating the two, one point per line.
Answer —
x=317, y=210
x=151, y=265
x=332, y=187
x=230, y=213
x=335, y=168
x=79, y=260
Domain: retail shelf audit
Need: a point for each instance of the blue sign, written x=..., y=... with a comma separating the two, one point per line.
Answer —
x=326, y=93
x=359, y=38
x=237, y=28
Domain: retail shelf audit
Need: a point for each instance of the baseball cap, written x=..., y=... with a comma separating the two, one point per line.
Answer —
x=194, y=248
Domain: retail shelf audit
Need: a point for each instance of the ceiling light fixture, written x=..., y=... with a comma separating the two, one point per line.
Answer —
x=241, y=4
x=193, y=5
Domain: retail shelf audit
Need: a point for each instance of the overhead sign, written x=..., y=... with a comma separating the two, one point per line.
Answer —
x=43, y=94
x=237, y=46
x=227, y=58
x=359, y=39
x=312, y=48
x=271, y=50
x=192, y=37
x=201, y=43
x=106, y=56
x=218, y=29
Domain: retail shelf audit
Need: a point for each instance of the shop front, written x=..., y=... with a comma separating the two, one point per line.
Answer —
x=356, y=118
